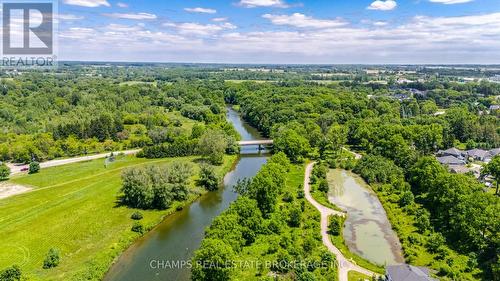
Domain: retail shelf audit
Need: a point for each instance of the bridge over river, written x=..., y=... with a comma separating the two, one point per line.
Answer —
x=255, y=142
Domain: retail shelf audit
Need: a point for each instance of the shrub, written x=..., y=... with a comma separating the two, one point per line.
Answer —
x=4, y=172
x=138, y=227
x=323, y=186
x=155, y=186
x=295, y=216
x=12, y=273
x=34, y=167
x=287, y=197
x=336, y=224
x=436, y=240
x=208, y=178
x=406, y=199
x=52, y=259
x=300, y=194
x=136, y=216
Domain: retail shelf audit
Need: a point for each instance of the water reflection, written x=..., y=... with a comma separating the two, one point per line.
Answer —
x=180, y=234
x=367, y=230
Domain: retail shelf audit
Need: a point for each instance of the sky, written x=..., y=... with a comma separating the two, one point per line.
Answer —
x=281, y=31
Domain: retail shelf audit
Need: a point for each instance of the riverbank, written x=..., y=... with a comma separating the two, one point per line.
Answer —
x=74, y=208
x=344, y=265
x=284, y=243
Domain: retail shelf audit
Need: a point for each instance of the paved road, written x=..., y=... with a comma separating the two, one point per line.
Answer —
x=17, y=169
x=344, y=266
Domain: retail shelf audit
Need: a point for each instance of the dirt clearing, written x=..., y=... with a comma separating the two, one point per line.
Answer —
x=8, y=189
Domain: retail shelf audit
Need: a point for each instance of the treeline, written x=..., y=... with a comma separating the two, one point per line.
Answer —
x=212, y=143
x=272, y=221
x=46, y=116
x=316, y=121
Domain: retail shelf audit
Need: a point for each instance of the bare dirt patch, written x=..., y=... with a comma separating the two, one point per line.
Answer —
x=8, y=189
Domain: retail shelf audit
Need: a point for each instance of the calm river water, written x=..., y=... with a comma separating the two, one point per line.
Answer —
x=180, y=234
x=367, y=231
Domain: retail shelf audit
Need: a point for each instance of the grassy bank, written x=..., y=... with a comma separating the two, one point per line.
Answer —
x=264, y=249
x=339, y=242
x=298, y=246
x=75, y=208
x=322, y=198
x=356, y=276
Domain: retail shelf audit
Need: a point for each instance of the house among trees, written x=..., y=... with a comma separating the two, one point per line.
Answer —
x=455, y=152
x=479, y=155
x=406, y=272
x=450, y=160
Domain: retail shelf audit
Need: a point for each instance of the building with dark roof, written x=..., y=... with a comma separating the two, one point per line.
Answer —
x=452, y=152
x=478, y=154
x=450, y=160
x=406, y=272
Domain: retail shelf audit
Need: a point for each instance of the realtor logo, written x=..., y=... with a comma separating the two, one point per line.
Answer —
x=28, y=33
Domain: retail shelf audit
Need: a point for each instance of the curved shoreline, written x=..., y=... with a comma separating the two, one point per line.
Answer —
x=344, y=266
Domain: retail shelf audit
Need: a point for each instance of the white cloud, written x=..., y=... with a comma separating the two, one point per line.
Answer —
x=422, y=39
x=200, y=29
x=69, y=17
x=382, y=5
x=88, y=3
x=448, y=2
x=375, y=23
x=200, y=10
x=263, y=3
x=219, y=19
x=131, y=16
x=122, y=5
x=303, y=21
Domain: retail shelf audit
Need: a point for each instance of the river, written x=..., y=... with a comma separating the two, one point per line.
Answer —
x=179, y=235
x=367, y=230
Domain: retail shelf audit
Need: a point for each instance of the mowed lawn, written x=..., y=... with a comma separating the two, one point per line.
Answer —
x=75, y=209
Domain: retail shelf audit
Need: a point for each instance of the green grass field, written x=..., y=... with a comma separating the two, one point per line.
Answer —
x=356, y=276
x=74, y=208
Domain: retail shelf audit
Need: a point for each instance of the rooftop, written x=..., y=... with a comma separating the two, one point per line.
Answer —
x=406, y=272
x=450, y=160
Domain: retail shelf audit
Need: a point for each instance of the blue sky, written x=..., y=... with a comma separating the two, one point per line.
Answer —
x=281, y=31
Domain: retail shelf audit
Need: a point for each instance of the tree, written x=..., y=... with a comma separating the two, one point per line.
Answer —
x=155, y=186
x=213, y=261
x=52, y=259
x=266, y=186
x=336, y=224
x=4, y=172
x=407, y=198
x=12, y=273
x=493, y=169
x=34, y=167
x=336, y=137
x=212, y=145
x=291, y=143
x=137, y=188
x=295, y=216
x=323, y=186
x=436, y=240
x=208, y=178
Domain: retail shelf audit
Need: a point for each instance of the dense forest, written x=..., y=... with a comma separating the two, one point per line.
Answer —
x=45, y=117
x=457, y=221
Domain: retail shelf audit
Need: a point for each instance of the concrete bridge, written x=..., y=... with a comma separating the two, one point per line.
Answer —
x=260, y=143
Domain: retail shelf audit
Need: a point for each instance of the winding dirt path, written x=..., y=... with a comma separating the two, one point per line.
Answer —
x=344, y=266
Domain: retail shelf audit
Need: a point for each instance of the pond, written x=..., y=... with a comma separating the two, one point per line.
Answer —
x=152, y=257
x=367, y=230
